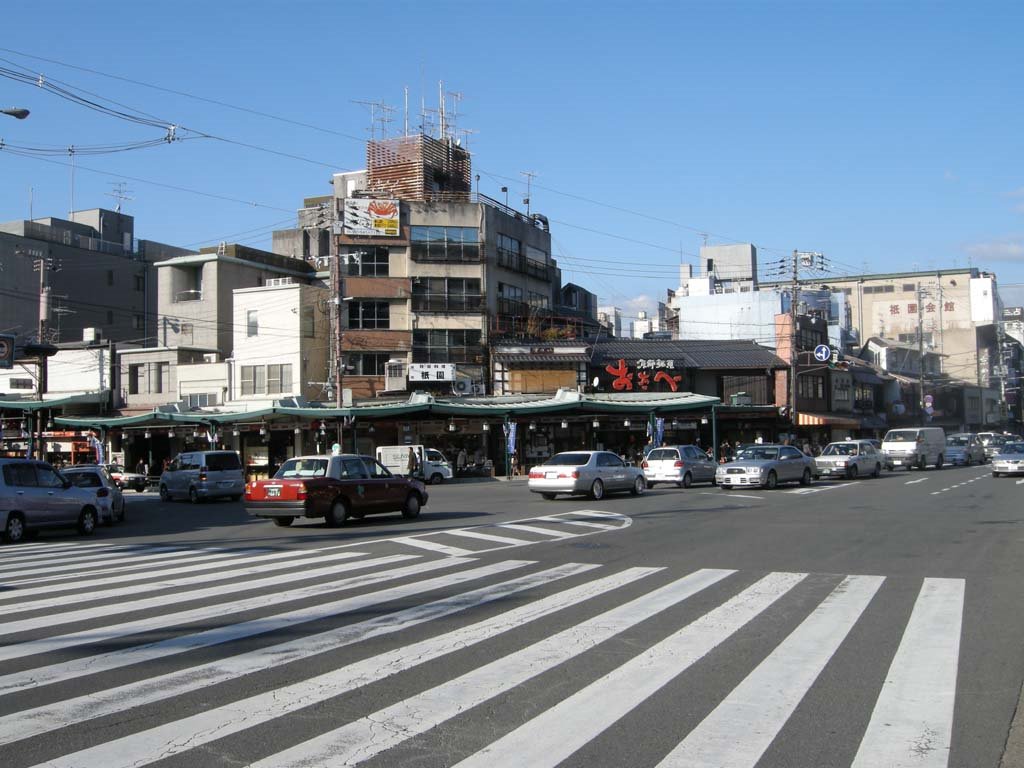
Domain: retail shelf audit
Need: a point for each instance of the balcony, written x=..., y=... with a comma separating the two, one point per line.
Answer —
x=190, y=295
x=520, y=263
x=513, y=307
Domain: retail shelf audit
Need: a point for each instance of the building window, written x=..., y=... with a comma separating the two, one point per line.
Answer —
x=811, y=387
x=510, y=300
x=279, y=379
x=909, y=287
x=201, y=399
x=140, y=283
x=446, y=294
x=841, y=390
x=539, y=300
x=253, y=380
x=367, y=363
x=308, y=322
x=444, y=243
x=134, y=376
x=21, y=384
x=187, y=333
x=138, y=322
x=252, y=323
x=366, y=261
x=369, y=314
x=447, y=346
x=911, y=338
x=159, y=378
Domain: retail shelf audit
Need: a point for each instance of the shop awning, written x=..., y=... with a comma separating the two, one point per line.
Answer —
x=81, y=398
x=867, y=377
x=826, y=420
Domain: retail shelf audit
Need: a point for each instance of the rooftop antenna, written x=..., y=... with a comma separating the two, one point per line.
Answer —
x=379, y=113
x=453, y=121
x=529, y=182
x=440, y=110
x=406, y=134
x=466, y=133
x=120, y=194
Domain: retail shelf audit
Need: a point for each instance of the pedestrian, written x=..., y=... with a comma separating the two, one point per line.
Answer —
x=141, y=468
x=460, y=462
x=515, y=465
x=724, y=452
x=413, y=463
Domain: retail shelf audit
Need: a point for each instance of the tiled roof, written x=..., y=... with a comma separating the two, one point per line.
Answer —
x=717, y=354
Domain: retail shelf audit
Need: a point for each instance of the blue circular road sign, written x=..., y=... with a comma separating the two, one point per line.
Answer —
x=822, y=353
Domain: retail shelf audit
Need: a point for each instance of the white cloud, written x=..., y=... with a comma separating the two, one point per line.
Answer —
x=948, y=175
x=1008, y=249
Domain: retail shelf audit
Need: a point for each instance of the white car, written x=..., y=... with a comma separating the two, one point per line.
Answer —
x=1009, y=460
x=679, y=464
x=96, y=479
x=589, y=473
x=849, y=459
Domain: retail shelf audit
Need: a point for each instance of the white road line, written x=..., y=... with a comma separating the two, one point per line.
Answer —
x=535, y=529
x=919, y=480
x=433, y=546
x=471, y=533
x=739, y=730
x=162, y=601
x=219, y=610
x=293, y=560
x=63, y=563
x=365, y=738
x=87, y=579
x=733, y=495
x=1020, y=481
x=581, y=523
x=50, y=717
x=912, y=722
x=182, y=735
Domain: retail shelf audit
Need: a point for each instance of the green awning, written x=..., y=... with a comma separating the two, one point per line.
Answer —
x=57, y=402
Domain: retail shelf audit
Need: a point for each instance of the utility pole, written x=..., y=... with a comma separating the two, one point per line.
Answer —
x=793, y=354
x=920, y=350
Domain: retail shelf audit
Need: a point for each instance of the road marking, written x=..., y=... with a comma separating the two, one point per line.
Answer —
x=741, y=728
x=162, y=601
x=181, y=735
x=912, y=721
x=733, y=495
x=364, y=738
x=1020, y=481
x=919, y=480
x=433, y=546
x=41, y=564
x=535, y=529
x=470, y=533
x=581, y=523
x=818, y=488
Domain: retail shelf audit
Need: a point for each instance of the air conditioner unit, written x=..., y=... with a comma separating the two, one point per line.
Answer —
x=462, y=387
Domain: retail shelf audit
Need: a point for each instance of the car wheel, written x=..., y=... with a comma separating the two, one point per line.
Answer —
x=597, y=490
x=283, y=522
x=87, y=522
x=968, y=460
x=436, y=479
x=994, y=473
x=939, y=461
x=337, y=514
x=687, y=480
x=852, y=472
x=193, y=495
x=15, y=529
x=772, y=481
x=411, y=508
x=806, y=479
x=878, y=471
x=165, y=495
x=639, y=486
x=549, y=496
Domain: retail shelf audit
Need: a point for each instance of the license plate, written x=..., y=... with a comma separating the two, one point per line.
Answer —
x=896, y=462
x=273, y=491
x=551, y=475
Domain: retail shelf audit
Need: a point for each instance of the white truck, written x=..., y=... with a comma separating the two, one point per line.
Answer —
x=431, y=464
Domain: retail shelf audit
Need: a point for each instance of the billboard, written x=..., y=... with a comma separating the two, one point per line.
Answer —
x=362, y=217
x=431, y=372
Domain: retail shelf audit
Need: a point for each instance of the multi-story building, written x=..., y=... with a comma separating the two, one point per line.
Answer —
x=611, y=319
x=63, y=276
x=427, y=270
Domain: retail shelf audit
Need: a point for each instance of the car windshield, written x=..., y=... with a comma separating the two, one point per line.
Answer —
x=901, y=436
x=1012, y=448
x=958, y=440
x=758, y=454
x=568, y=460
x=84, y=479
x=840, y=449
x=302, y=468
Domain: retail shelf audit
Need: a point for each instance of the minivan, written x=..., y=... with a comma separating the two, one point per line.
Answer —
x=915, y=447
x=199, y=475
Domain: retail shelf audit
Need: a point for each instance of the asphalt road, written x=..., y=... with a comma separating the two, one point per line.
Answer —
x=868, y=623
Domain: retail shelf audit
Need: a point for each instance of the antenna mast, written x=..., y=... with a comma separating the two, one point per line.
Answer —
x=120, y=194
x=529, y=183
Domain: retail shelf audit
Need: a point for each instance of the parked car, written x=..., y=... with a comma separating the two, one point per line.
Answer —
x=849, y=459
x=590, y=473
x=765, y=466
x=679, y=464
x=109, y=499
x=336, y=488
x=964, y=448
x=886, y=460
x=1009, y=460
x=34, y=496
x=915, y=447
x=992, y=442
x=125, y=479
x=199, y=475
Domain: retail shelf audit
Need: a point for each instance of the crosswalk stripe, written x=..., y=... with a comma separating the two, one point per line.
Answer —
x=162, y=601
x=47, y=718
x=548, y=739
x=912, y=721
x=741, y=728
x=61, y=563
x=433, y=546
x=534, y=529
x=219, y=610
x=87, y=579
x=472, y=533
x=182, y=735
x=364, y=738
x=581, y=523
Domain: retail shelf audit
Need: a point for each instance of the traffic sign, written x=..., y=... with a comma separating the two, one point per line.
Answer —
x=822, y=353
x=6, y=351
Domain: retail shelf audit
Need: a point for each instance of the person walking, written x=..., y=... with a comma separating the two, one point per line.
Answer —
x=413, y=463
x=460, y=463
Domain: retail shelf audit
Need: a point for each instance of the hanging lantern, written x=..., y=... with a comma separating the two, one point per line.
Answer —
x=565, y=424
x=297, y=430
x=625, y=423
x=372, y=429
x=533, y=427
x=485, y=427
x=147, y=434
x=595, y=423
x=235, y=432
x=263, y=428
x=170, y=433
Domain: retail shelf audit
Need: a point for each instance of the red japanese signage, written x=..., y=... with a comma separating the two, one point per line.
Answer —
x=642, y=376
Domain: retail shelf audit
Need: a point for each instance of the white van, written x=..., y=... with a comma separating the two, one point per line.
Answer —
x=198, y=475
x=915, y=447
x=433, y=467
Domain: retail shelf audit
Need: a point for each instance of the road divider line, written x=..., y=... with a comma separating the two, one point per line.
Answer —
x=433, y=546
x=535, y=529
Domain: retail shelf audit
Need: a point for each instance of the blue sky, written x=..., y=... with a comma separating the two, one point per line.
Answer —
x=886, y=135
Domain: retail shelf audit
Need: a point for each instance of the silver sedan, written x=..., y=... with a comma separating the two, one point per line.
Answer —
x=765, y=466
x=1009, y=460
x=590, y=473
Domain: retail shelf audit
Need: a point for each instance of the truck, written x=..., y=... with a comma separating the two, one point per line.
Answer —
x=433, y=467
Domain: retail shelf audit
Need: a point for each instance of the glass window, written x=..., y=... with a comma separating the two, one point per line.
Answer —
x=48, y=478
x=377, y=470
x=451, y=294
x=663, y=454
x=220, y=462
x=445, y=243
x=279, y=379
x=447, y=346
x=253, y=379
x=568, y=460
x=134, y=375
x=353, y=469
x=369, y=314
x=21, y=475
x=366, y=261
x=367, y=363
x=302, y=468
x=84, y=479
x=252, y=323
x=308, y=322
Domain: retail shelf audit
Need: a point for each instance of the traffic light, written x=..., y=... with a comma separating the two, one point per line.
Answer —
x=836, y=363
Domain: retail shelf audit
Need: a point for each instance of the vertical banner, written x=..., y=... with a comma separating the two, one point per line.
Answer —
x=659, y=431
x=510, y=434
x=98, y=447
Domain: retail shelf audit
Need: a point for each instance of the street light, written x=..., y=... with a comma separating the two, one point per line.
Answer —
x=18, y=113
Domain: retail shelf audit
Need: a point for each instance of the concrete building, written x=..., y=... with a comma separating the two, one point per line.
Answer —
x=611, y=319
x=89, y=272
x=722, y=269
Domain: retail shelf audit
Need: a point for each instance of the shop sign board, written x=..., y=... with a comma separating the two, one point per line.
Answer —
x=362, y=217
x=424, y=372
x=643, y=375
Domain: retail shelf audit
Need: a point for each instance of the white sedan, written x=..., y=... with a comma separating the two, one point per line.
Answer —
x=1009, y=460
x=585, y=473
